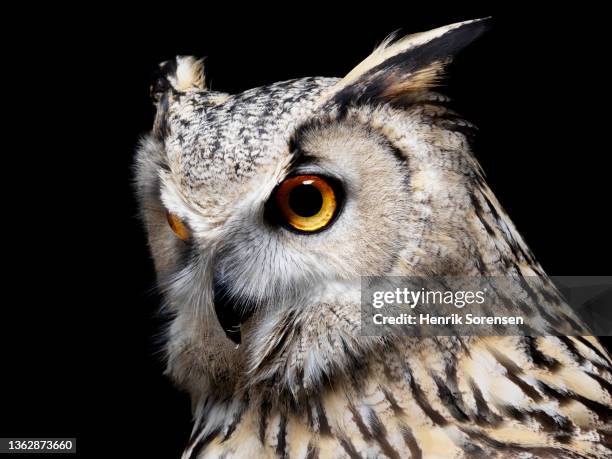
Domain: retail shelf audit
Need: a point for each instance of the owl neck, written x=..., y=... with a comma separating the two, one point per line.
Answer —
x=495, y=246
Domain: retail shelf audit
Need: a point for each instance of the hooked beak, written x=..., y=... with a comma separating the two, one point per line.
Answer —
x=231, y=314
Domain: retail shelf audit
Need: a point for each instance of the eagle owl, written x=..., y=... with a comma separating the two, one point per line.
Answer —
x=263, y=210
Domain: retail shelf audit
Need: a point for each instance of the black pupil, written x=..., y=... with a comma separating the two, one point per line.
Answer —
x=305, y=200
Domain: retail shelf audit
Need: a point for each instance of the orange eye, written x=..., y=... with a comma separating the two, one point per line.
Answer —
x=177, y=225
x=306, y=203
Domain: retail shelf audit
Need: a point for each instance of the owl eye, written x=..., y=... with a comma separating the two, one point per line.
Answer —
x=177, y=225
x=307, y=203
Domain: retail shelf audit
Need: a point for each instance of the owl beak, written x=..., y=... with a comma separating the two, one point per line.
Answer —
x=230, y=314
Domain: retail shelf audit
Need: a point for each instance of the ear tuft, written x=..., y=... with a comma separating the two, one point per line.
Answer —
x=182, y=74
x=414, y=63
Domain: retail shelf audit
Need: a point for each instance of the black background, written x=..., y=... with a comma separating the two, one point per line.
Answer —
x=78, y=330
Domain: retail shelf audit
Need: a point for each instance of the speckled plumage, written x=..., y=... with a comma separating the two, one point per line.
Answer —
x=232, y=140
x=304, y=383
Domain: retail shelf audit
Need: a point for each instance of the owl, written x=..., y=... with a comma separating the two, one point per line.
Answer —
x=263, y=211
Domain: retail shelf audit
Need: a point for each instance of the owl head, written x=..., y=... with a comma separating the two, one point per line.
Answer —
x=263, y=210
